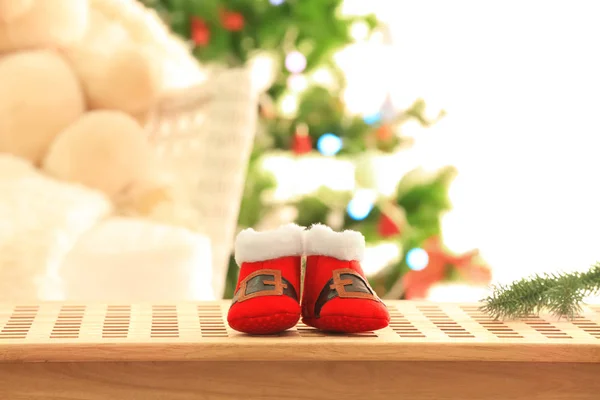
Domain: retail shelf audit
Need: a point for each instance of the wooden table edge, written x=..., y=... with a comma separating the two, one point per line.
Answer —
x=298, y=351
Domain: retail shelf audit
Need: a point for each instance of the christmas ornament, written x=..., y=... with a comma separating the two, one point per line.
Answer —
x=417, y=282
x=384, y=133
x=479, y=274
x=232, y=21
x=301, y=141
x=387, y=227
x=469, y=267
x=392, y=219
x=200, y=33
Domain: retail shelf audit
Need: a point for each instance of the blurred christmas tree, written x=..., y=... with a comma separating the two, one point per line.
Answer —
x=307, y=130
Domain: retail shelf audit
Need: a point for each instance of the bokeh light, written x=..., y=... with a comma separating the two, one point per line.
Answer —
x=417, y=259
x=361, y=204
x=295, y=62
x=329, y=144
x=372, y=118
x=288, y=105
x=297, y=83
x=359, y=30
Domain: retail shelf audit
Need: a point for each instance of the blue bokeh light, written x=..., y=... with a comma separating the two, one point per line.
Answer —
x=372, y=119
x=359, y=208
x=417, y=259
x=329, y=144
x=276, y=2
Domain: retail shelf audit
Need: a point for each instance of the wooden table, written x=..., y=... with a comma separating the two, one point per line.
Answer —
x=186, y=351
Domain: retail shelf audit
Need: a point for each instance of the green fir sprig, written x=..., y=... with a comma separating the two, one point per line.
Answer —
x=561, y=294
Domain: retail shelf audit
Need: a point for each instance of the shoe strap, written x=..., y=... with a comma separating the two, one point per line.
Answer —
x=346, y=284
x=264, y=282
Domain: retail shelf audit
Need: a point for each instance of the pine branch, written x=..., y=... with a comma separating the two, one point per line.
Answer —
x=566, y=298
x=522, y=298
x=561, y=294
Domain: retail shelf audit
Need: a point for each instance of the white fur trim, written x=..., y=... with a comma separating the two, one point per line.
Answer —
x=346, y=246
x=252, y=246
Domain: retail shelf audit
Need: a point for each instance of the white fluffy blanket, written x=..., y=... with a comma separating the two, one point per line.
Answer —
x=40, y=221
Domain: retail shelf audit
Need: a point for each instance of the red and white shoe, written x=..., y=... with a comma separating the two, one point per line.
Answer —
x=337, y=296
x=267, y=296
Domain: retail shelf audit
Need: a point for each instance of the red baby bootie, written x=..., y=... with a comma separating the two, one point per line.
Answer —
x=337, y=297
x=267, y=295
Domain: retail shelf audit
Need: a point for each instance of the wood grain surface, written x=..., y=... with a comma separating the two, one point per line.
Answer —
x=300, y=380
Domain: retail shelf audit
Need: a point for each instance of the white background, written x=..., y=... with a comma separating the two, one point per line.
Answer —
x=520, y=81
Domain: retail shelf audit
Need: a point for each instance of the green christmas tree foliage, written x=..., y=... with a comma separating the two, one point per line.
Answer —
x=231, y=33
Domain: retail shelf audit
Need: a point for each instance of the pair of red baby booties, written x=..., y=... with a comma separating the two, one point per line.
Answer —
x=335, y=296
